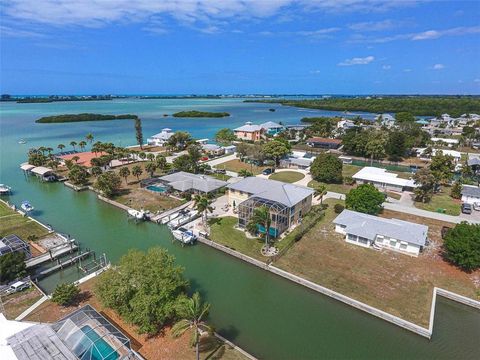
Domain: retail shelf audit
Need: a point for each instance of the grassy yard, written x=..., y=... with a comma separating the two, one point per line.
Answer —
x=12, y=222
x=223, y=177
x=394, y=195
x=17, y=303
x=441, y=201
x=348, y=171
x=222, y=231
x=287, y=176
x=144, y=199
x=236, y=165
x=396, y=283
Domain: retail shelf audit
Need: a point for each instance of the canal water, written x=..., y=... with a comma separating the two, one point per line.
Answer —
x=265, y=314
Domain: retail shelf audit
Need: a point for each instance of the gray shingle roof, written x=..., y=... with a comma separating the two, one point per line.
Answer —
x=472, y=191
x=271, y=125
x=369, y=226
x=183, y=181
x=283, y=193
x=473, y=160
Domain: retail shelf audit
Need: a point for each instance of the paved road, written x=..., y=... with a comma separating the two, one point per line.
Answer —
x=474, y=218
x=221, y=160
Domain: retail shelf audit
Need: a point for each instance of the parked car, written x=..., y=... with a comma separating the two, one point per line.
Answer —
x=476, y=206
x=268, y=171
x=18, y=286
x=466, y=208
x=220, y=171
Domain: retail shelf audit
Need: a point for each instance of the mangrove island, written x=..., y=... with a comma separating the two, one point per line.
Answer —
x=83, y=117
x=195, y=113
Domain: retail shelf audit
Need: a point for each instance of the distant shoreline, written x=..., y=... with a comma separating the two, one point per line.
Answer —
x=200, y=114
x=66, y=118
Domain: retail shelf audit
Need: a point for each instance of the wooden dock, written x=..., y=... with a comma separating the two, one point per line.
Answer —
x=61, y=265
x=51, y=254
x=159, y=217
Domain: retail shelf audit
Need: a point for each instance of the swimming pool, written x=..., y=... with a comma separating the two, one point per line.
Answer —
x=156, y=188
x=100, y=350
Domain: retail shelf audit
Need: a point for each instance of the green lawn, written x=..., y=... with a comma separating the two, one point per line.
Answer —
x=236, y=165
x=223, y=177
x=12, y=222
x=222, y=231
x=287, y=176
x=441, y=201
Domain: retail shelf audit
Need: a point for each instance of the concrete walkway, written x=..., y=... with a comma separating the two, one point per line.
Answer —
x=221, y=160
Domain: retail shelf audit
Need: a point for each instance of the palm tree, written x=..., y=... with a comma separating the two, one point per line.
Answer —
x=96, y=170
x=202, y=204
x=137, y=171
x=161, y=162
x=150, y=156
x=89, y=138
x=73, y=143
x=60, y=147
x=193, y=312
x=150, y=168
x=320, y=191
x=244, y=173
x=82, y=145
x=76, y=158
x=124, y=172
x=260, y=217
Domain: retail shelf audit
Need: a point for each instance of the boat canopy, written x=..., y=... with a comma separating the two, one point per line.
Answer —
x=27, y=167
x=41, y=170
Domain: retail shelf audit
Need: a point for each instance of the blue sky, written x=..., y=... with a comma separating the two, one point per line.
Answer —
x=233, y=46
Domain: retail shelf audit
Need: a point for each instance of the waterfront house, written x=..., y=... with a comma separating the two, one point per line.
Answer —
x=386, y=120
x=84, y=334
x=470, y=194
x=161, y=138
x=345, y=124
x=373, y=231
x=12, y=244
x=324, y=143
x=287, y=203
x=213, y=150
x=272, y=128
x=193, y=183
x=249, y=132
x=455, y=154
x=383, y=180
x=84, y=158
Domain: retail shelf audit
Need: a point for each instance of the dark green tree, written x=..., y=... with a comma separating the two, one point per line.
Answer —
x=108, y=183
x=225, y=136
x=276, y=150
x=12, y=266
x=395, y=147
x=456, y=190
x=425, y=181
x=366, y=199
x=78, y=175
x=462, y=246
x=442, y=167
x=65, y=294
x=327, y=168
x=402, y=117
x=139, y=132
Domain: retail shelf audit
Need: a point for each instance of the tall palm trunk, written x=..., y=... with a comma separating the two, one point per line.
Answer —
x=197, y=352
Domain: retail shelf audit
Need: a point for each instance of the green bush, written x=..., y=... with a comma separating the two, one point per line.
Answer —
x=338, y=208
x=348, y=180
x=65, y=294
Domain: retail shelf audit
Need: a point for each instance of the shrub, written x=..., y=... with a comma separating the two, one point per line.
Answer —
x=462, y=246
x=366, y=199
x=348, y=180
x=327, y=168
x=65, y=294
x=338, y=208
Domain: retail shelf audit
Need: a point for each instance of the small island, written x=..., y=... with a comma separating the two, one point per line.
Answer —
x=201, y=114
x=83, y=117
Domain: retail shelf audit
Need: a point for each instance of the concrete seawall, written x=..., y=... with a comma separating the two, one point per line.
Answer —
x=347, y=300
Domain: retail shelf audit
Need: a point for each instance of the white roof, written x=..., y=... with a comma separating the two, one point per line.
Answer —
x=27, y=167
x=271, y=125
x=455, y=154
x=164, y=135
x=41, y=170
x=248, y=127
x=9, y=328
x=447, y=141
x=382, y=176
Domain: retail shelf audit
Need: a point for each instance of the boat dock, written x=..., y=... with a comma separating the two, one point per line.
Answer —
x=52, y=254
x=158, y=218
x=61, y=265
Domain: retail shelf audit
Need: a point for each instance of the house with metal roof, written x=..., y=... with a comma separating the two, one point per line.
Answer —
x=161, y=138
x=383, y=180
x=373, y=231
x=272, y=128
x=324, y=143
x=287, y=203
x=195, y=183
x=470, y=194
x=249, y=132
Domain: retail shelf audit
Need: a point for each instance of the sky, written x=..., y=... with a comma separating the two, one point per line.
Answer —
x=239, y=46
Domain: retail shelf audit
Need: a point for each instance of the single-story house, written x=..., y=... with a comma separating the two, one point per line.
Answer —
x=345, y=124
x=368, y=230
x=455, y=154
x=202, y=141
x=213, y=150
x=161, y=138
x=297, y=160
x=230, y=149
x=473, y=160
x=272, y=128
x=386, y=120
x=288, y=203
x=383, y=180
x=470, y=194
x=195, y=183
x=249, y=131
x=447, y=141
x=324, y=143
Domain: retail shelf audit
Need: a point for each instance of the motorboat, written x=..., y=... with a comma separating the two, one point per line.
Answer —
x=169, y=218
x=26, y=206
x=138, y=215
x=184, y=235
x=183, y=219
x=22, y=141
x=5, y=189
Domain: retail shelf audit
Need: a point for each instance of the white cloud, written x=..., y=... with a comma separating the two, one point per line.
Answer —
x=438, y=67
x=435, y=34
x=476, y=80
x=319, y=33
x=407, y=70
x=373, y=25
x=357, y=61
x=19, y=33
x=316, y=72
x=386, y=67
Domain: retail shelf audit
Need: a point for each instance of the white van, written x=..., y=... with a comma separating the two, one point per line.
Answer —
x=18, y=286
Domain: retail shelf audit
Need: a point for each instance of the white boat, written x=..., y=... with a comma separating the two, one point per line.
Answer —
x=183, y=219
x=169, y=218
x=26, y=206
x=5, y=189
x=22, y=141
x=183, y=235
x=139, y=215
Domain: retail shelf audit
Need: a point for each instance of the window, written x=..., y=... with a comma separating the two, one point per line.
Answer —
x=352, y=237
x=393, y=243
x=403, y=246
x=362, y=240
